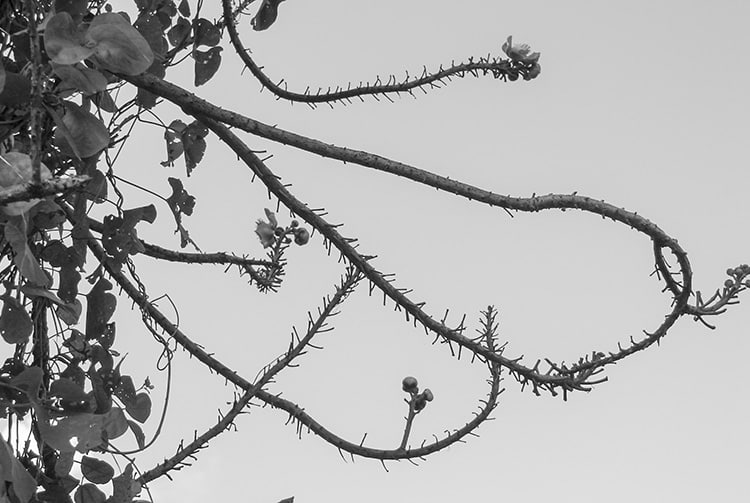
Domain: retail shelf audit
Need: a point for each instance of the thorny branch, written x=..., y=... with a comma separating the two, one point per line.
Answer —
x=558, y=376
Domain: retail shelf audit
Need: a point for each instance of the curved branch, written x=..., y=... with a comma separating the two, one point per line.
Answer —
x=562, y=377
x=499, y=68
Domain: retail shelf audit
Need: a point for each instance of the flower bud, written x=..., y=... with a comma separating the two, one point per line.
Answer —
x=410, y=384
x=427, y=394
x=301, y=236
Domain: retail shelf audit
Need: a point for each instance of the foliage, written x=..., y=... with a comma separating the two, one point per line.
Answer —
x=62, y=67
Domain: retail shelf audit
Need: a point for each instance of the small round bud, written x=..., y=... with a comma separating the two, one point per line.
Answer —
x=295, y=223
x=301, y=236
x=420, y=403
x=730, y=271
x=728, y=283
x=410, y=384
x=427, y=394
x=278, y=231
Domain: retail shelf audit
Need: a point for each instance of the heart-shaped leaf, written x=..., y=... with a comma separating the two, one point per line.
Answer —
x=87, y=133
x=16, y=91
x=101, y=307
x=267, y=14
x=80, y=78
x=206, y=64
x=118, y=47
x=140, y=408
x=96, y=470
x=15, y=323
x=64, y=41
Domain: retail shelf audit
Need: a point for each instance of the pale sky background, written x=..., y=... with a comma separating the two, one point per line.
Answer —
x=643, y=104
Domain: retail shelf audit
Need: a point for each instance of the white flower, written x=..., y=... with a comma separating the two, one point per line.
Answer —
x=519, y=52
x=265, y=232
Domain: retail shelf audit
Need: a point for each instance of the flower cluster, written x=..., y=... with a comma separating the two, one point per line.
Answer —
x=418, y=400
x=269, y=232
x=521, y=54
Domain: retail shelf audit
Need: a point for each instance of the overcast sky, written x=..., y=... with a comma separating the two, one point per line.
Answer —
x=643, y=104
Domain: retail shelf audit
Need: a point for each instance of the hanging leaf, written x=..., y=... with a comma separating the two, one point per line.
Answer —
x=81, y=432
x=267, y=14
x=88, y=134
x=194, y=143
x=151, y=30
x=64, y=463
x=206, y=64
x=28, y=266
x=63, y=40
x=100, y=307
x=80, y=78
x=140, y=408
x=16, y=90
x=115, y=424
x=118, y=47
x=205, y=33
x=96, y=470
x=15, y=323
x=184, y=8
x=70, y=313
x=89, y=493
x=140, y=438
x=13, y=472
x=29, y=380
x=178, y=35
x=173, y=137
x=180, y=201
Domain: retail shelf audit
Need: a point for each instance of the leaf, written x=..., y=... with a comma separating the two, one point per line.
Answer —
x=15, y=323
x=81, y=432
x=267, y=14
x=23, y=257
x=115, y=423
x=2, y=77
x=29, y=380
x=150, y=28
x=89, y=493
x=194, y=143
x=206, y=64
x=64, y=463
x=67, y=390
x=76, y=8
x=125, y=390
x=63, y=40
x=124, y=487
x=173, y=137
x=16, y=90
x=119, y=236
x=96, y=470
x=87, y=133
x=206, y=33
x=180, y=201
x=179, y=33
x=140, y=408
x=80, y=78
x=184, y=8
x=101, y=306
x=119, y=47
x=11, y=470
x=140, y=438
